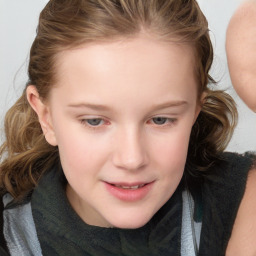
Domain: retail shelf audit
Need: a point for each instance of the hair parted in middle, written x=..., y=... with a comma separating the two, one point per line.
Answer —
x=67, y=24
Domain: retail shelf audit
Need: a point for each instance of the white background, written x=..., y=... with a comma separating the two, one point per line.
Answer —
x=18, y=21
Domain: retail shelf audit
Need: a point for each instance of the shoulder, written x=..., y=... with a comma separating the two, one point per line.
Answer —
x=232, y=165
x=223, y=188
x=242, y=241
x=230, y=171
x=225, y=182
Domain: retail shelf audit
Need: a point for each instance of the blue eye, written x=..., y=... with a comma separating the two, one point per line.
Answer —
x=159, y=120
x=93, y=121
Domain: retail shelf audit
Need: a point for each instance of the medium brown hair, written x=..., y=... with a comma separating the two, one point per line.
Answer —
x=65, y=24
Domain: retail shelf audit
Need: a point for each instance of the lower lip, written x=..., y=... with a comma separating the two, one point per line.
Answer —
x=129, y=195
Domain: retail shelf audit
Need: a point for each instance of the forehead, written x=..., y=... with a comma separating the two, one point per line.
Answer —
x=141, y=62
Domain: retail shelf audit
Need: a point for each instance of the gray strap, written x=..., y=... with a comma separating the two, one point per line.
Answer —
x=187, y=244
x=19, y=230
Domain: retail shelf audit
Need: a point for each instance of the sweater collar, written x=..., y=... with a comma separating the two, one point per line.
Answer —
x=62, y=232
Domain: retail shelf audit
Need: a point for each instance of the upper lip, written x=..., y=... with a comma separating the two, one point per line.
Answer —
x=129, y=184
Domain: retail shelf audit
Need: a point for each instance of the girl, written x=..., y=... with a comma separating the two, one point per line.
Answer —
x=116, y=145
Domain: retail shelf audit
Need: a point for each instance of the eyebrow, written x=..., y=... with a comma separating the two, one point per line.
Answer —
x=100, y=107
x=170, y=104
x=91, y=106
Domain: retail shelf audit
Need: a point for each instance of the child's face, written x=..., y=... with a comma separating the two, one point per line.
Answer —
x=121, y=114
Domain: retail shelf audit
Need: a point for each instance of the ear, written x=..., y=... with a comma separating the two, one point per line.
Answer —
x=199, y=105
x=43, y=113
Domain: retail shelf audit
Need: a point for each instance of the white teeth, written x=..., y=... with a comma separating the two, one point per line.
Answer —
x=134, y=187
x=129, y=187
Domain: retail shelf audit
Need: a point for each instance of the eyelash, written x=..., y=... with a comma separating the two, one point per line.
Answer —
x=167, y=122
x=85, y=122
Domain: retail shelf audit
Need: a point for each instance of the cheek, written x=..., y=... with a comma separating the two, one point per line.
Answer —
x=80, y=154
x=80, y=151
x=173, y=156
x=171, y=152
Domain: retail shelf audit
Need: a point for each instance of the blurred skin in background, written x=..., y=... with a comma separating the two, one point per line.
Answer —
x=241, y=52
x=241, y=55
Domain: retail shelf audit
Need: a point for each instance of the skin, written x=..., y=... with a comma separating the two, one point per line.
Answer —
x=142, y=95
x=241, y=52
x=242, y=241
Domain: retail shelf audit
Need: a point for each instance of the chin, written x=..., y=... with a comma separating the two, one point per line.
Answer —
x=130, y=225
x=131, y=222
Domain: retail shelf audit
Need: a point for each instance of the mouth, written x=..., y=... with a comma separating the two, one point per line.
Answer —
x=129, y=192
x=129, y=187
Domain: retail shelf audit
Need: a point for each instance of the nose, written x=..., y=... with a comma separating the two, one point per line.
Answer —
x=130, y=150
